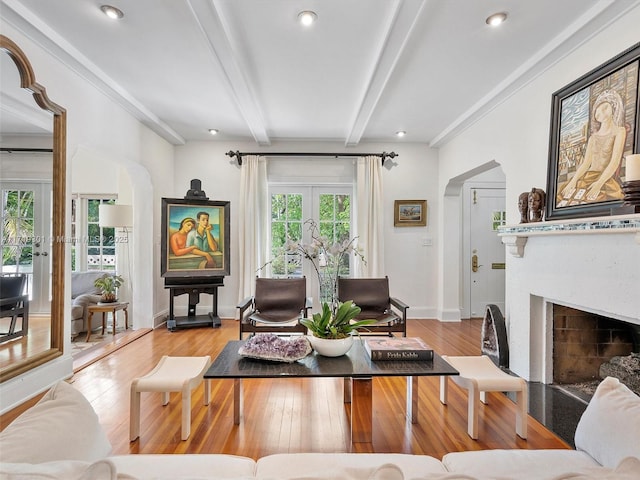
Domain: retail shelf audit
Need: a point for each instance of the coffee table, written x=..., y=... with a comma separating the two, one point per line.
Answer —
x=356, y=367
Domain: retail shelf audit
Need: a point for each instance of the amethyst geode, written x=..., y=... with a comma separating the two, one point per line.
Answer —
x=268, y=346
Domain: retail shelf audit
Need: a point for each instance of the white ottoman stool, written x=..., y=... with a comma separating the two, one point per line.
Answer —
x=172, y=374
x=479, y=375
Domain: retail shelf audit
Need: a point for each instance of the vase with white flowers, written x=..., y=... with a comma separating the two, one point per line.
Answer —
x=336, y=320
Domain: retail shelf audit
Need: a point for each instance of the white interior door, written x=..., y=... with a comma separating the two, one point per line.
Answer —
x=26, y=238
x=487, y=253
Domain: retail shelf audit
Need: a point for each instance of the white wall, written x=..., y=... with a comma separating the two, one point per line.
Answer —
x=516, y=133
x=98, y=128
x=516, y=136
x=412, y=175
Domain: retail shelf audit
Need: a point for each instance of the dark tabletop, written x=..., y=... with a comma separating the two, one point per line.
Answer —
x=356, y=363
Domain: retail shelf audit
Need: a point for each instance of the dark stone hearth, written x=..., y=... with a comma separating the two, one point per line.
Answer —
x=624, y=368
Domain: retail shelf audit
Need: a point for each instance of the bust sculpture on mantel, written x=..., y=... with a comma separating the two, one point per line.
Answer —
x=536, y=203
x=523, y=207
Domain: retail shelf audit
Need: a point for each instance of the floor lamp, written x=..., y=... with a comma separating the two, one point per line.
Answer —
x=119, y=216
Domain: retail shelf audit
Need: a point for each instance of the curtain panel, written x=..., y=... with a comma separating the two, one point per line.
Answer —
x=253, y=225
x=370, y=216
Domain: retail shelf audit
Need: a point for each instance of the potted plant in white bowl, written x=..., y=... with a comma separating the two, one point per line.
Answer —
x=332, y=330
x=108, y=285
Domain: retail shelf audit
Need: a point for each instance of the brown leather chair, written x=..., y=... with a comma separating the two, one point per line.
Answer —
x=14, y=304
x=372, y=296
x=275, y=307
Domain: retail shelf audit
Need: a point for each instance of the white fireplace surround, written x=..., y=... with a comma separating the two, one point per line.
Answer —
x=589, y=264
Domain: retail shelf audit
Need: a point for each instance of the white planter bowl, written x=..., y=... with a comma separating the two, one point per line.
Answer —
x=328, y=347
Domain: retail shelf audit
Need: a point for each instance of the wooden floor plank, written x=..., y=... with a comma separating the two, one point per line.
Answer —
x=299, y=415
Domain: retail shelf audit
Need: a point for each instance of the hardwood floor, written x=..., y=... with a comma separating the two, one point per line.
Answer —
x=295, y=415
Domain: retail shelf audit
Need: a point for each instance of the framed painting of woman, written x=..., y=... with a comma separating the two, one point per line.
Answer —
x=195, y=238
x=594, y=126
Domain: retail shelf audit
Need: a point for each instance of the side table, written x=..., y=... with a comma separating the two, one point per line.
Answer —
x=104, y=308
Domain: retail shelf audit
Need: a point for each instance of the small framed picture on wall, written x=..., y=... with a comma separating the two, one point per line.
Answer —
x=410, y=213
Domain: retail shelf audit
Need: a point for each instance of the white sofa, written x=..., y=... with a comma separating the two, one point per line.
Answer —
x=60, y=437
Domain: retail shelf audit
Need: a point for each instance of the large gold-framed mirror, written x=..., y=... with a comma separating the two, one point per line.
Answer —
x=29, y=356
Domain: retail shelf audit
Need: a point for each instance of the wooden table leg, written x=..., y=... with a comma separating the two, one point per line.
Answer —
x=126, y=318
x=113, y=321
x=104, y=321
x=237, y=400
x=361, y=410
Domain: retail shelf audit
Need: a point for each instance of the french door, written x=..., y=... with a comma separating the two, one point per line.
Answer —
x=330, y=207
x=26, y=238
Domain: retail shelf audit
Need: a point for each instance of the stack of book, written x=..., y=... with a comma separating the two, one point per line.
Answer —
x=398, y=348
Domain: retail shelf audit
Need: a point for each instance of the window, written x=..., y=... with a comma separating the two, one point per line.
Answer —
x=93, y=246
x=291, y=206
x=286, y=223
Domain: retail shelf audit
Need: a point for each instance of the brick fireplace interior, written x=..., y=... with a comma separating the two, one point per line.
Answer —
x=583, y=341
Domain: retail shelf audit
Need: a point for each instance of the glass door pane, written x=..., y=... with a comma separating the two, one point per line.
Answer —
x=26, y=238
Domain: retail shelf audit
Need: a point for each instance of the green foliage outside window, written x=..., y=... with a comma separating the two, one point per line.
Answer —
x=18, y=227
x=287, y=224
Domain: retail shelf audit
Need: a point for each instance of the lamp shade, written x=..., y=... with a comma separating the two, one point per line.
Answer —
x=115, y=215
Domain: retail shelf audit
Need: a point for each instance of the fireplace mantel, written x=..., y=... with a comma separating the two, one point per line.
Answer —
x=515, y=236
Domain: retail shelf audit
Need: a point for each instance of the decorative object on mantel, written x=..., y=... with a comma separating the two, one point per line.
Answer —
x=536, y=200
x=631, y=196
x=632, y=168
x=594, y=125
x=631, y=185
x=523, y=207
x=272, y=347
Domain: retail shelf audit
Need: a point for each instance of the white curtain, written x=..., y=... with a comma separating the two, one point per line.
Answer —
x=370, y=216
x=253, y=217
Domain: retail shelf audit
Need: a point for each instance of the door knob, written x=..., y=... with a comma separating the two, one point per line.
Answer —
x=36, y=254
x=45, y=254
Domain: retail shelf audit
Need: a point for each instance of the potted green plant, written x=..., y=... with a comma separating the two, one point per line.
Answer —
x=332, y=330
x=108, y=285
x=340, y=325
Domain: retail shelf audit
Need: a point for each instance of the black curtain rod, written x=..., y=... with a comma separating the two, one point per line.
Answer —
x=238, y=155
x=31, y=150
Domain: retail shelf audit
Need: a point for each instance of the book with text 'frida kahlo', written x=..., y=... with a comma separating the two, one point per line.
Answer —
x=398, y=348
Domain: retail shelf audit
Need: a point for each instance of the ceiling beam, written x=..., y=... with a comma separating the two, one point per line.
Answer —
x=210, y=18
x=394, y=40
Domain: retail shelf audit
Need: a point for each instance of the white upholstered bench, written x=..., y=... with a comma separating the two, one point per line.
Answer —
x=478, y=374
x=171, y=374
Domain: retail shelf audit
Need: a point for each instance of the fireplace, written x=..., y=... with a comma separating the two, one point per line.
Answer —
x=584, y=341
x=590, y=265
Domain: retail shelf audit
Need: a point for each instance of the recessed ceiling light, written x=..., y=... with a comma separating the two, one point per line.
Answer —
x=401, y=133
x=112, y=12
x=307, y=17
x=213, y=131
x=496, y=19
